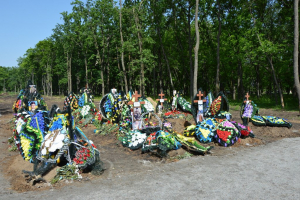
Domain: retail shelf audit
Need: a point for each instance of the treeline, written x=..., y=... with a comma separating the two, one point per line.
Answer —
x=244, y=46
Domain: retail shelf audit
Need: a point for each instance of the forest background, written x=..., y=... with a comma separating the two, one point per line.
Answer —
x=234, y=46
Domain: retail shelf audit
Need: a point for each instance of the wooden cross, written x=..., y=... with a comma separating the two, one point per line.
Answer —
x=247, y=98
x=199, y=95
x=136, y=100
x=136, y=106
x=161, y=99
x=200, y=102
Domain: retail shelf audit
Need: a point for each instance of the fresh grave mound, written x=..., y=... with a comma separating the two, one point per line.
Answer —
x=48, y=145
x=250, y=113
x=121, y=161
x=158, y=139
x=216, y=128
x=51, y=138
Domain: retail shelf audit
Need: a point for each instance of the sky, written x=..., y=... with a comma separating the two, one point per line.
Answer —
x=23, y=23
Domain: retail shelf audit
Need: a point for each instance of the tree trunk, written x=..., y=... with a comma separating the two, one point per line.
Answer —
x=44, y=84
x=77, y=83
x=274, y=74
x=218, y=51
x=166, y=59
x=98, y=60
x=108, y=72
x=276, y=82
x=196, y=50
x=119, y=68
x=86, y=69
x=129, y=71
x=190, y=54
x=122, y=51
x=234, y=92
x=160, y=74
x=102, y=66
x=296, y=46
x=257, y=81
x=142, y=81
x=69, y=72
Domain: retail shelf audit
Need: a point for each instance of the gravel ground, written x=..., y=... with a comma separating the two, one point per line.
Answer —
x=265, y=172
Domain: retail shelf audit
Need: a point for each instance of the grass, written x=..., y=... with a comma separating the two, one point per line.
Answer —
x=265, y=101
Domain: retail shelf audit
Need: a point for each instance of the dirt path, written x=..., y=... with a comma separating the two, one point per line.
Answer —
x=266, y=172
x=251, y=168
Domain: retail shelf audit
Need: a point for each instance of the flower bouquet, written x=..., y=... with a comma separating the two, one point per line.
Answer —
x=84, y=157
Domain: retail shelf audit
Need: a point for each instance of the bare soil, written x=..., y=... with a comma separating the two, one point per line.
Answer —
x=117, y=160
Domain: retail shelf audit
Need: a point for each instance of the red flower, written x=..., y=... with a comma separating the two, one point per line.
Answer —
x=223, y=135
x=244, y=132
x=80, y=122
x=89, y=155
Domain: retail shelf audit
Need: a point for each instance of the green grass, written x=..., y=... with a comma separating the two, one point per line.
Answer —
x=265, y=101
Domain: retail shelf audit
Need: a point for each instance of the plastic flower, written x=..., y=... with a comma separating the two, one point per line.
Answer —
x=19, y=124
x=85, y=110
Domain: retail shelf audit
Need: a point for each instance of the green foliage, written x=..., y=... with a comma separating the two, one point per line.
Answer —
x=159, y=40
x=106, y=128
x=67, y=172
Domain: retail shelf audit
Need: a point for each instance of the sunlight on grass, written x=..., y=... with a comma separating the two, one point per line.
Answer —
x=290, y=102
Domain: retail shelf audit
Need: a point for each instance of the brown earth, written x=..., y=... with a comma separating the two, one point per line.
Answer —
x=117, y=160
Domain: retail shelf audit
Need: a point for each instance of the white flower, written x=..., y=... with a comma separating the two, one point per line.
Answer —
x=85, y=110
x=19, y=124
x=141, y=140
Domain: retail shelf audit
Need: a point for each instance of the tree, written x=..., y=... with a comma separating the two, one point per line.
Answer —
x=196, y=50
x=296, y=46
x=218, y=49
x=3, y=77
x=122, y=50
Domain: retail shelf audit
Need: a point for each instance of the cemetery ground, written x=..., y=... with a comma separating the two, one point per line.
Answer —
x=131, y=166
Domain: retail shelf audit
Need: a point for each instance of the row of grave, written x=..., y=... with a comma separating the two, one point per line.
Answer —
x=212, y=121
x=45, y=137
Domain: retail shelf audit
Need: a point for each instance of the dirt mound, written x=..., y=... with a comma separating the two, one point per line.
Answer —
x=119, y=161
